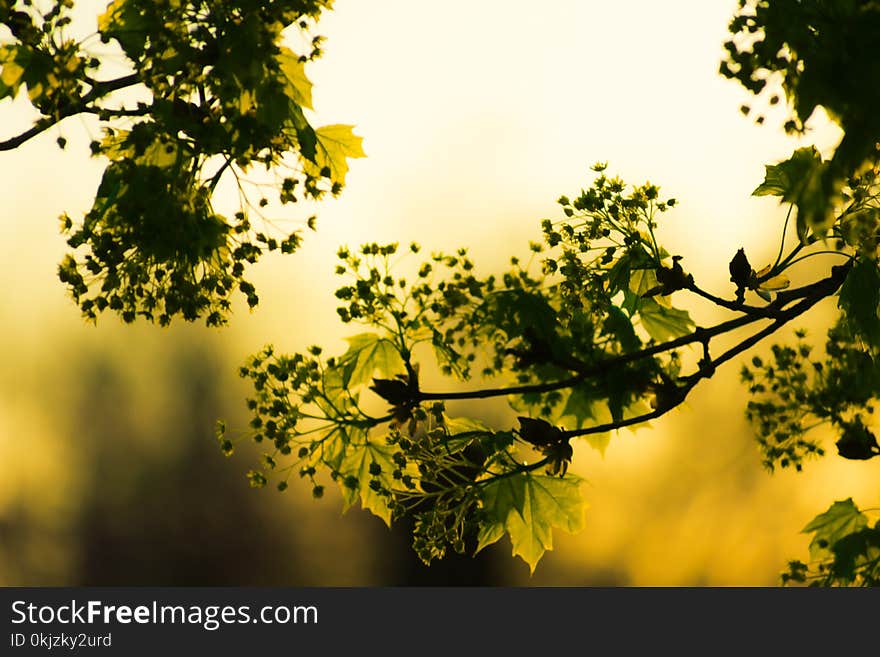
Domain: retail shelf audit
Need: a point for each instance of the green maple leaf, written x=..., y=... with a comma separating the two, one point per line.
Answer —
x=462, y=431
x=580, y=406
x=788, y=179
x=459, y=425
x=357, y=463
x=841, y=519
x=600, y=414
x=598, y=441
x=663, y=323
x=119, y=145
x=798, y=180
x=854, y=550
x=642, y=280
x=126, y=24
x=620, y=275
x=367, y=355
x=299, y=87
x=527, y=506
x=331, y=445
x=334, y=145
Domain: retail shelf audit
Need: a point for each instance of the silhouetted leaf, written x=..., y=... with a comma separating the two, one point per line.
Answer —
x=860, y=298
x=788, y=178
x=620, y=326
x=854, y=550
x=842, y=518
x=798, y=180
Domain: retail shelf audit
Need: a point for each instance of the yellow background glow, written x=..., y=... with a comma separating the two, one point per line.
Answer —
x=476, y=116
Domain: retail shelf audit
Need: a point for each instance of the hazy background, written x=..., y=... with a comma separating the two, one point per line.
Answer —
x=476, y=116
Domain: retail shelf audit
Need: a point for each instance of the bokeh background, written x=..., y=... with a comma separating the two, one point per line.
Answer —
x=476, y=117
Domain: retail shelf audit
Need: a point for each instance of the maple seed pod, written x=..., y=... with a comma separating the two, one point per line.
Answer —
x=394, y=391
x=539, y=432
x=740, y=269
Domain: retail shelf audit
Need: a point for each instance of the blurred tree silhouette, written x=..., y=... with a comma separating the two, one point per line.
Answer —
x=157, y=504
x=169, y=516
x=583, y=332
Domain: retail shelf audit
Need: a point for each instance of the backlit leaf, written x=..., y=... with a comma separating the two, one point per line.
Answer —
x=664, y=323
x=369, y=355
x=841, y=518
x=789, y=178
x=618, y=325
x=642, y=280
x=798, y=180
x=579, y=407
x=357, y=462
x=299, y=87
x=527, y=507
x=462, y=431
x=335, y=144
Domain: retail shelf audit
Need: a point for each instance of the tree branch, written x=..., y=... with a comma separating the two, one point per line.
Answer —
x=105, y=112
x=99, y=90
x=763, y=311
x=810, y=295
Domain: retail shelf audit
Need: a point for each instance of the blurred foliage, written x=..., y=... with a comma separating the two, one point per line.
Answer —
x=144, y=498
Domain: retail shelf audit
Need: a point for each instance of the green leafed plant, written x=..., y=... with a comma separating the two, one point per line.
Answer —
x=190, y=110
x=586, y=334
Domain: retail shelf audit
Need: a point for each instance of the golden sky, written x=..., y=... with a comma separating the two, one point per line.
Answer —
x=476, y=116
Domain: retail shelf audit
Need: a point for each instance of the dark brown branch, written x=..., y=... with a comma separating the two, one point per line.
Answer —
x=699, y=335
x=810, y=295
x=775, y=310
x=102, y=112
x=763, y=311
x=99, y=90
x=500, y=392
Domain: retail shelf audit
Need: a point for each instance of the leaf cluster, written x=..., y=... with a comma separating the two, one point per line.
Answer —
x=844, y=550
x=822, y=54
x=581, y=331
x=220, y=95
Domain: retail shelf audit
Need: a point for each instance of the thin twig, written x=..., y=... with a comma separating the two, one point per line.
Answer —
x=82, y=105
x=775, y=310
